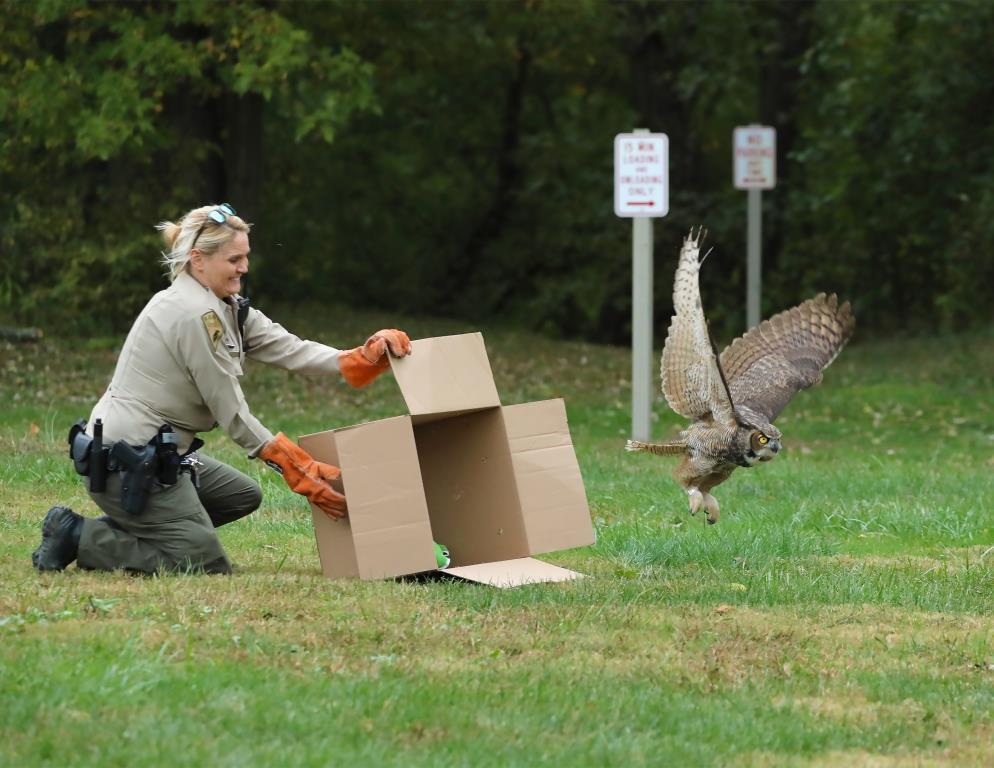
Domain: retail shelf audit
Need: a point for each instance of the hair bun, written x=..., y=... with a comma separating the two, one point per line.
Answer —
x=170, y=232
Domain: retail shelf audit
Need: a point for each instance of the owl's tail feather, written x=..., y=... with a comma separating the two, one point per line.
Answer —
x=674, y=448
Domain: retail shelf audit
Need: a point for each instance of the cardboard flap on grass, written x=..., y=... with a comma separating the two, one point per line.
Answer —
x=513, y=573
x=446, y=375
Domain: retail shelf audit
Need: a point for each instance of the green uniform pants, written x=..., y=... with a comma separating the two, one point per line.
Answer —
x=175, y=531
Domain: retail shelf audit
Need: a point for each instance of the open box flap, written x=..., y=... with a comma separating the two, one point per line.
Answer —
x=446, y=374
x=335, y=549
x=550, y=488
x=387, y=532
x=513, y=573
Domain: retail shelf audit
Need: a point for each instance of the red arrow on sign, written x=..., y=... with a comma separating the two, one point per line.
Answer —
x=650, y=203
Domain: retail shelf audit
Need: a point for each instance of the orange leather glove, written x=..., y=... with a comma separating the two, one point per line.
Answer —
x=305, y=475
x=361, y=365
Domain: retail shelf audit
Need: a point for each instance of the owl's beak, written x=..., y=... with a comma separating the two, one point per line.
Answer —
x=774, y=449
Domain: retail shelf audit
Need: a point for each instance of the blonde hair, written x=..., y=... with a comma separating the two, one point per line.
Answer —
x=179, y=237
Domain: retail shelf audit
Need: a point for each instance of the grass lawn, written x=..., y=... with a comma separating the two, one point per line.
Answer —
x=839, y=614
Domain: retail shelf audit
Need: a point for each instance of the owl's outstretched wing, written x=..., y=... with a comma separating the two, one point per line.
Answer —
x=691, y=377
x=769, y=364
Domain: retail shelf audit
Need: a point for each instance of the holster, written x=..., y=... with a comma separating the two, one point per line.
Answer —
x=137, y=473
x=167, y=458
x=79, y=447
x=89, y=457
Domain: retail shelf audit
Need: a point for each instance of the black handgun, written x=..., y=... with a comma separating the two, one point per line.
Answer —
x=136, y=479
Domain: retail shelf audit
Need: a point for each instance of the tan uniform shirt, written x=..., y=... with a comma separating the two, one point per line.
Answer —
x=181, y=364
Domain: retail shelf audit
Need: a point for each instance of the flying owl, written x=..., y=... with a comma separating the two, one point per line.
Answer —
x=734, y=398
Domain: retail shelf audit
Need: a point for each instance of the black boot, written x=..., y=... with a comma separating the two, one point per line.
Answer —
x=60, y=533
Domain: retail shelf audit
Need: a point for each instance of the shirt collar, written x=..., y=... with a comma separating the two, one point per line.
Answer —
x=188, y=285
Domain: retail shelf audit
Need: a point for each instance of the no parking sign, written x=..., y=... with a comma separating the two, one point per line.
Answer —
x=754, y=158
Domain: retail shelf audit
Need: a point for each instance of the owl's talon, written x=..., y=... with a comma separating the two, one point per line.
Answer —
x=711, y=505
x=696, y=499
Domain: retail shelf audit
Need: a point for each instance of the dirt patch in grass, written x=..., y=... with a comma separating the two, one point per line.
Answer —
x=857, y=758
x=954, y=747
x=952, y=558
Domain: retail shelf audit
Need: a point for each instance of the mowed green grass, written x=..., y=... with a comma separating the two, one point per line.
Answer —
x=839, y=614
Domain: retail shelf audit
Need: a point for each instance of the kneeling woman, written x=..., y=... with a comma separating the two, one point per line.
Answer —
x=177, y=375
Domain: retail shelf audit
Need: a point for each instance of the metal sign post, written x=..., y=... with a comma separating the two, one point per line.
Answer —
x=754, y=255
x=642, y=329
x=641, y=192
x=754, y=168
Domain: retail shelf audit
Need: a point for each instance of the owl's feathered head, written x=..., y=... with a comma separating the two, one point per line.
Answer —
x=759, y=440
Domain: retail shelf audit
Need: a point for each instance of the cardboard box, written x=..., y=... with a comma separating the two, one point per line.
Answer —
x=495, y=484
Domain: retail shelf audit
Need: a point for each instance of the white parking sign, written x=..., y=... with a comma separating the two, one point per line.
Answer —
x=641, y=174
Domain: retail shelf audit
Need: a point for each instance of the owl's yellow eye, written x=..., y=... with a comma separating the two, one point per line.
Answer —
x=763, y=439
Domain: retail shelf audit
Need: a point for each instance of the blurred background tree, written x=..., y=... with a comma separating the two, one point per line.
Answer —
x=115, y=116
x=456, y=157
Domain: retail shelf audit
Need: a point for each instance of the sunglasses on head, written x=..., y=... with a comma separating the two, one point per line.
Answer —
x=219, y=215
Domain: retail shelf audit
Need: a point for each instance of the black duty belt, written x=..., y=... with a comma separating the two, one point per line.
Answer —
x=158, y=460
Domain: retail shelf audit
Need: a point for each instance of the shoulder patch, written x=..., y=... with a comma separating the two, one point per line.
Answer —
x=215, y=330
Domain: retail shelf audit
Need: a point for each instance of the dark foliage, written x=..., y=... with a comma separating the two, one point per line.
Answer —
x=455, y=158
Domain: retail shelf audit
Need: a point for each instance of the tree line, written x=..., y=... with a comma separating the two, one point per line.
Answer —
x=455, y=158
